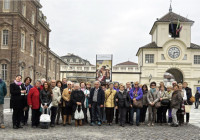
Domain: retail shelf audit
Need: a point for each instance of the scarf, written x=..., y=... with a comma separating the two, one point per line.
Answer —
x=18, y=83
x=122, y=91
x=152, y=90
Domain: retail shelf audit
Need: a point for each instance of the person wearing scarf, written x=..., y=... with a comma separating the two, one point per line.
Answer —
x=122, y=103
x=3, y=92
x=17, y=90
x=136, y=95
x=153, y=97
x=25, y=112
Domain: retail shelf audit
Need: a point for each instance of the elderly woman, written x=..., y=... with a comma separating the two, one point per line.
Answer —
x=153, y=97
x=59, y=84
x=175, y=104
x=181, y=111
x=17, y=91
x=145, y=104
x=34, y=103
x=109, y=103
x=77, y=98
x=67, y=107
x=122, y=103
x=169, y=93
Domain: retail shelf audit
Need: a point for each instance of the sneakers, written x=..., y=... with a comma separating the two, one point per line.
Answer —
x=92, y=124
x=99, y=123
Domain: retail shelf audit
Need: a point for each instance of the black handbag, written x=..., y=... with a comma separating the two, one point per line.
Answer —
x=165, y=102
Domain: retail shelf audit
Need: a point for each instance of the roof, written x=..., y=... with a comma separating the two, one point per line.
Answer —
x=128, y=63
x=151, y=45
x=171, y=16
x=194, y=46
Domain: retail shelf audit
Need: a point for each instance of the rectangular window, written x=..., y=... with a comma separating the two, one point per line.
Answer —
x=4, y=71
x=5, y=38
x=31, y=48
x=45, y=41
x=24, y=10
x=149, y=58
x=196, y=59
x=33, y=19
x=172, y=31
x=6, y=4
x=49, y=65
x=22, y=41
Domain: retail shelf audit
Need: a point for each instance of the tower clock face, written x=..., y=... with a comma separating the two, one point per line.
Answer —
x=174, y=52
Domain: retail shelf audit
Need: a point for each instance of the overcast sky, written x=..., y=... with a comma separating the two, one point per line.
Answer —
x=118, y=27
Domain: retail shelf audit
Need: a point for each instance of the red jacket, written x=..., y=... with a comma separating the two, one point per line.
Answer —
x=34, y=98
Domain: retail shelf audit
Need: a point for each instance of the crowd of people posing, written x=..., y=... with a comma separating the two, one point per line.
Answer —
x=102, y=104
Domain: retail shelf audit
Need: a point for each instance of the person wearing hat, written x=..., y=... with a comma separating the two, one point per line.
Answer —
x=109, y=103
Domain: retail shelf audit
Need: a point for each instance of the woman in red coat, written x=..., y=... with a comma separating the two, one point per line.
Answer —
x=34, y=103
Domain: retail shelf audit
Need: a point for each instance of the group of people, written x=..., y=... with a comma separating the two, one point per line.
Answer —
x=102, y=104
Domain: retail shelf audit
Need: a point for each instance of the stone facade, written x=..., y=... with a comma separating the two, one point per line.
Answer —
x=24, y=42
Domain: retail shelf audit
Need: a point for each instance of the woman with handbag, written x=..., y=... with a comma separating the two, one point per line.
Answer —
x=122, y=103
x=153, y=97
x=175, y=104
x=181, y=111
x=67, y=107
x=109, y=103
x=165, y=102
x=78, y=99
x=136, y=99
x=143, y=110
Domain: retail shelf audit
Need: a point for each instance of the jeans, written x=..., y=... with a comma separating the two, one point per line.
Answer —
x=1, y=115
x=53, y=114
x=35, y=117
x=143, y=112
x=196, y=103
x=174, y=117
x=122, y=114
x=109, y=114
x=132, y=110
x=96, y=112
x=169, y=115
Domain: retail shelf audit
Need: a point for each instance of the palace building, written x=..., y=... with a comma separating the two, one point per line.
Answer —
x=24, y=42
x=171, y=55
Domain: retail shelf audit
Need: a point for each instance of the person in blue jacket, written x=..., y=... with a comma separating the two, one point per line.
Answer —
x=3, y=92
x=136, y=94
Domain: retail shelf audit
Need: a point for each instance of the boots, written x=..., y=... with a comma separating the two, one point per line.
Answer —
x=80, y=122
x=69, y=119
x=64, y=120
x=76, y=123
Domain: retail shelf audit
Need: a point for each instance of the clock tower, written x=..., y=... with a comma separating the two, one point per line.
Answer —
x=171, y=56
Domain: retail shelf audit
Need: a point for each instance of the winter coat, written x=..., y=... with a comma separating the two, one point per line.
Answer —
x=124, y=99
x=16, y=100
x=34, y=98
x=66, y=97
x=77, y=96
x=189, y=95
x=109, y=98
x=145, y=102
x=100, y=96
x=45, y=97
x=176, y=99
x=137, y=95
x=3, y=91
x=56, y=96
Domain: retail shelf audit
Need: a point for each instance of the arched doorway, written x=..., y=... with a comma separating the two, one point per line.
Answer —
x=173, y=74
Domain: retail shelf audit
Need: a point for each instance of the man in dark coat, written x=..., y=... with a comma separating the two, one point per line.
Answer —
x=96, y=102
x=197, y=96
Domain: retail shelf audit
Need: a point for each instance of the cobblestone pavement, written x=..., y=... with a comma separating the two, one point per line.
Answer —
x=115, y=132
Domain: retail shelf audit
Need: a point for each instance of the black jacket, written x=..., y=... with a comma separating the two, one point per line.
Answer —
x=77, y=96
x=45, y=97
x=100, y=96
x=124, y=99
x=16, y=100
x=189, y=95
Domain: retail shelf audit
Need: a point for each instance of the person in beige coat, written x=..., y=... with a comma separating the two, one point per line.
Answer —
x=56, y=97
x=109, y=103
x=153, y=97
x=67, y=105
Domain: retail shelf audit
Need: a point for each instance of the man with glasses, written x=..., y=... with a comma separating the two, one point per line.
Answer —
x=96, y=102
